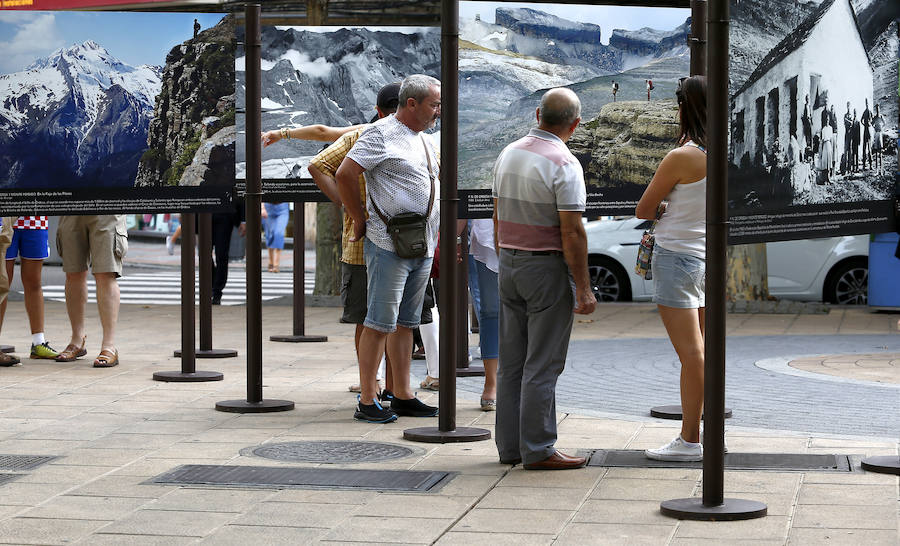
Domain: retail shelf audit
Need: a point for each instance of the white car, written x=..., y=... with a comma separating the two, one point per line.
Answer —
x=831, y=269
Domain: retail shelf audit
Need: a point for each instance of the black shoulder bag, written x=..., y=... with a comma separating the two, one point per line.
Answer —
x=409, y=230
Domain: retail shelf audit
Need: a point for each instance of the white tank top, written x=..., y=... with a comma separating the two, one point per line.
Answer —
x=683, y=227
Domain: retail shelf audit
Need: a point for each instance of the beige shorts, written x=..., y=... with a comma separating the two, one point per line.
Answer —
x=98, y=241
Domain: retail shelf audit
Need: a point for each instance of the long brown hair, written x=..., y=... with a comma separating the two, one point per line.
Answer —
x=691, y=95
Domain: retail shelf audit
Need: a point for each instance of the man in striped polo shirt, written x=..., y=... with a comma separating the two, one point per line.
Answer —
x=539, y=196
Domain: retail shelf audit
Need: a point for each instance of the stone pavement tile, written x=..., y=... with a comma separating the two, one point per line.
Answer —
x=693, y=541
x=210, y=500
x=122, y=486
x=242, y=535
x=857, y=443
x=842, y=537
x=85, y=400
x=534, y=498
x=41, y=447
x=845, y=517
x=135, y=441
x=619, y=511
x=485, y=465
x=581, y=478
x=849, y=478
x=503, y=520
x=66, y=431
x=767, y=528
x=31, y=494
x=45, y=531
x=416, y=506
x=86, y=508
x=861, y=495
x=624, y=534
x=137, y=408
x=199, y=450
x=7, y=510
x=64, y=474
x=151, y=467
x=455, y=538
x=100, y=457
x=282, y=420
x=136, y=540
x=692, y=474
x=21, y=425
x=643, y=489
x=166, y=427
x=862, y=451
x=738, y=443
x=220, y=435
x=162, y=522
x=393, y=529
x=289, y=514
x=319, y=496
x=485, y=448
x=776, y=504
x=783, y=483
x=468, y=486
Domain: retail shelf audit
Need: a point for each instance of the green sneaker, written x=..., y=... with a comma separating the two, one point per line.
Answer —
x=43, y=351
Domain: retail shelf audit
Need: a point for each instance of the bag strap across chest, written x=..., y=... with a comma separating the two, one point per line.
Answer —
x=430, y=177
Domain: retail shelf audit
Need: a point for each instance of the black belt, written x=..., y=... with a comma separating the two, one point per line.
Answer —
x=520, y=252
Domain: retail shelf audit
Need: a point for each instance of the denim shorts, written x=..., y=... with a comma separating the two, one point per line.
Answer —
x=396, y=288
x=679, y=279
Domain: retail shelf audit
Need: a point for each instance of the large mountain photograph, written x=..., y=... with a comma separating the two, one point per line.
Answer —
x=123, y=100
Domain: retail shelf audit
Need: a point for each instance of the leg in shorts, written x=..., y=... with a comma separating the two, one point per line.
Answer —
x=396, y=289
x=353, y=293
x=100, y=242
x=30, y=244
x=679, y=279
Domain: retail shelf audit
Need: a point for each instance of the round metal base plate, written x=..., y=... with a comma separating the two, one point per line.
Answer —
x=182, y=377
x=674, y=412
x=298, y=339
x=7, y=349
x=730, y=510
x=211, y=353
x=264, y=406
x=471, y=371
x=433, y=435
x=885, y=464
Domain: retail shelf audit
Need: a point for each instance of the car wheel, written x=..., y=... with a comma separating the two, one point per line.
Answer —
x=608, y=280
x=848, y=283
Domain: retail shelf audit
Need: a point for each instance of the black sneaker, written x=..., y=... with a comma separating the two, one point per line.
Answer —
x=374, y=413
x=386, y=397
x=413, y=408
x=8, y=360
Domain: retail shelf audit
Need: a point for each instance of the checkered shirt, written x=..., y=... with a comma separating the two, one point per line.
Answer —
x=328, y=161
x=31, y=222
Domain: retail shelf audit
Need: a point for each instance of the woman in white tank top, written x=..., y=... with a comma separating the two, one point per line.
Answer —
x=679, y=259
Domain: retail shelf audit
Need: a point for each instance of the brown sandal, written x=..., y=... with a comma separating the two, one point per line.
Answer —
x=107, y=359
x=71, y=352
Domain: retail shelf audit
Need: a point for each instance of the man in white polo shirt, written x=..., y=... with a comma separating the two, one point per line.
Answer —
x=401, y=170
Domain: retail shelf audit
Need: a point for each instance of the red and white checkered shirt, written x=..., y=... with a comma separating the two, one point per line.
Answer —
x=31, y=222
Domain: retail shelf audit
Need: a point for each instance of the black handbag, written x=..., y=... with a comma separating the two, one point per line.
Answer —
x=409, y=230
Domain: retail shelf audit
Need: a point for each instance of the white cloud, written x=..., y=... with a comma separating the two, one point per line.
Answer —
x=318, y=68
x=36, y=35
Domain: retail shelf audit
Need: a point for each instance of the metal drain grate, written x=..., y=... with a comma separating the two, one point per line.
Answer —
x=303, y=478
x=800, y=462
x=6, y=478
x=23, y=462
x=332, y=452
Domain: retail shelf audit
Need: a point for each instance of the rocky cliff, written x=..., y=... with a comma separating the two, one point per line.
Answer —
x=624, y=144
x=195, y=105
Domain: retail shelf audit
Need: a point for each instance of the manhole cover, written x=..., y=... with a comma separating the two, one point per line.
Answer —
x=333, y=452
x=23, y=462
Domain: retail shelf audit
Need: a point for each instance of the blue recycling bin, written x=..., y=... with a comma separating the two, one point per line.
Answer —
x=884, y=271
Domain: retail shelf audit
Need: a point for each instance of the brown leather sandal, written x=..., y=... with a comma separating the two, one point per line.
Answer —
x=71, y=352
x=107, y=359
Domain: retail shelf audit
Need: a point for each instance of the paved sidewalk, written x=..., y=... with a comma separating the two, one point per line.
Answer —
x=114, y=429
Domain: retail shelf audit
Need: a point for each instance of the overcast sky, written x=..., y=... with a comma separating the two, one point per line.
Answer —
x=607, y=17
x=133, y=38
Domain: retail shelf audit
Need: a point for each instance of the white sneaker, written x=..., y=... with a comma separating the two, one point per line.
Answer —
x=676, y=450
x=170, y=245
x=724, y=440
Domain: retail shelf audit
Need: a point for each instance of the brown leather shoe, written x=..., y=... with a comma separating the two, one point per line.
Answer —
x=71, y=352
x=557, y=461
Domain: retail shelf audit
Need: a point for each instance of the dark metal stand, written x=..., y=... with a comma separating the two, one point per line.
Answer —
x=204, y=243
x=464, y=368
x=885, y=464
x=254, y=402
x=714, y=506
x=188, y=373
x=7, y=349
x=447, y=431
x=299, y=282
x=674, y=412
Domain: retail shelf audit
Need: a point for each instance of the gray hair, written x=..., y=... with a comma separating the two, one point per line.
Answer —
x=560, y=107
x=417, y=86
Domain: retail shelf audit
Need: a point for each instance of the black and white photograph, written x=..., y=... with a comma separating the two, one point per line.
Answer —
x=328, y=76
x=116, y=111
x=814, y=112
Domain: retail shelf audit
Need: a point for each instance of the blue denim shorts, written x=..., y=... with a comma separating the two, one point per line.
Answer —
x=396, y=288
x=679, y=279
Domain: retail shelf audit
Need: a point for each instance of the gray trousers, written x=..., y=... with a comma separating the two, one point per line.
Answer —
x=537, y=297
